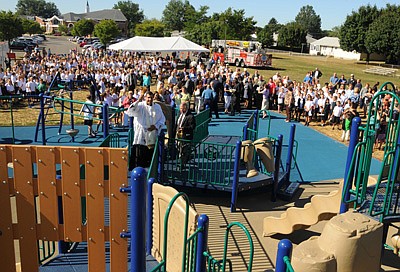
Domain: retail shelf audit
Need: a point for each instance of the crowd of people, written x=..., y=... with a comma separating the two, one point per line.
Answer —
x=121, y=78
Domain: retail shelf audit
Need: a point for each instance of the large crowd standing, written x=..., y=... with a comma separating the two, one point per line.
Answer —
x=121, y=77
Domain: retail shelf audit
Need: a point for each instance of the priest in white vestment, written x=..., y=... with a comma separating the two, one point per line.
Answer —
x=148, y=117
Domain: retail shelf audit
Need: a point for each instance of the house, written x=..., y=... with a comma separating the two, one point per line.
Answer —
x=70, y=18
x=330, y=46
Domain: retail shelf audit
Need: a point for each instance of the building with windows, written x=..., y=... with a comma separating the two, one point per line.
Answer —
x=69, y=19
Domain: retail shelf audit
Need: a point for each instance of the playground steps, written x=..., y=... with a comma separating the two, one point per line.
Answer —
x=378, y=204
x=321, y=207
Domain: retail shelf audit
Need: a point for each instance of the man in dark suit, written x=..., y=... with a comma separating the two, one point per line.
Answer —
x=186, y=123
x=184, y=130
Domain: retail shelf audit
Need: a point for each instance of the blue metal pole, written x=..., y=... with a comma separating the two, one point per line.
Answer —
x=61, y=117
x=278, y=153
x=137, y=219
x=72, y=113
x=12, y=121
x=348, y=178
x=245, y=131
x=290, y=152
x=255, y=124
x=161, y=143
x=43, y=125
x=149, y=217
x=235, y=183
x=130, y=121
x=284, y=249
x=202, y=222
x=105, y=121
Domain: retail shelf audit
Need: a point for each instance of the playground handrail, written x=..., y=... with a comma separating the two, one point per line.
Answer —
x=112, y=140
x=389, y=187
x=163, y=262
x=202, y=121
x=111, y=108
x=220, y=265
x=289, y=267
x=206, y=153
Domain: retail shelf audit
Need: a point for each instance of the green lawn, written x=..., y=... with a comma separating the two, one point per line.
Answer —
x=296, y=68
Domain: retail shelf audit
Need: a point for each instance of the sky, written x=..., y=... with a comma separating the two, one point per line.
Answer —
x=333, y=13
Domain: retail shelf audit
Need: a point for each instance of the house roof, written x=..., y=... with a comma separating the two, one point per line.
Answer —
x=328, y=41
x=112, y=14
x=72, y=17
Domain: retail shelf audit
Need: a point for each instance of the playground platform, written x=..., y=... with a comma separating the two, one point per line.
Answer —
x=320, y=167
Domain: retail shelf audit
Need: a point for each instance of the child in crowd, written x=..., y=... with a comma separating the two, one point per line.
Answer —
x=309, y=109
x=346, y=124
x=281, y=99
x=336, y=115
x=88, y=110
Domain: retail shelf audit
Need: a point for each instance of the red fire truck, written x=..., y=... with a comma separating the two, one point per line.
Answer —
x=241, y=53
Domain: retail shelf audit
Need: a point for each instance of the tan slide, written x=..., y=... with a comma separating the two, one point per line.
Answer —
x=265, y=152
x=321, y=206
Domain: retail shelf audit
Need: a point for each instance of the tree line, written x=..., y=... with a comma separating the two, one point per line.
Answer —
x=367, y=30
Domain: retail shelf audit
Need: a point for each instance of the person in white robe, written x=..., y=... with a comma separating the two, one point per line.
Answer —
x=148, y=117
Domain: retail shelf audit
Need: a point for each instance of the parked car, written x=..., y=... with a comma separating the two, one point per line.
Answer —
x=41, y=35
x=20, y=45
x=27, y=40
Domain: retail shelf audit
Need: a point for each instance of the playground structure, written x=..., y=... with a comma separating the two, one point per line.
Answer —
x=215, y=162
x=78, y=197
x=59, y=98
x=379, y=200
x=58, y=102
x=386, y=211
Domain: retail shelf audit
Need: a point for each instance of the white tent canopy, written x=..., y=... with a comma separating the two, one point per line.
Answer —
x=158, y=44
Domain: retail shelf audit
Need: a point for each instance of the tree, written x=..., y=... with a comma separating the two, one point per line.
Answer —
x=63, y=29
x=106, y=30
x=205, y=32
x=83, y=27
x=10, y=26
x=235, y=24
x=150, y=28
x=39, y=8
x=353, y=31
x=132, y=13
x=31, y=27
x=309, y=20
x=175, y=14
x=292, y=35
x=334, y=32
x=383, y=35
x=265, y=35
x=274, y=25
